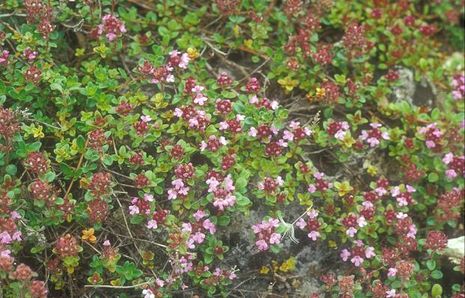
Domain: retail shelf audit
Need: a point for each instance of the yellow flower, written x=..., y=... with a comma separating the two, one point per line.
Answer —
x=248, y=43
x=320, y=92
x=288, y=265
x=264, y=270
x=288, y=84
x=332, y=244
x=37, y=132
x=237, y=30
x=193, y=53
x=343, y=188
x=80, y=52
x=372, y=170
x=348, y=141
x=88, y=235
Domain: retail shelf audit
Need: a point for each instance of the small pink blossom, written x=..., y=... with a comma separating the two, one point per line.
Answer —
x=391, y=293
x=313, y=235
x=261, y=245
x=370, y=252
x=146, y=118
x=253, y=132
x=392, y=272
x=357, y=261
x=199, y=214
x=345, y=254
x=351, y=232
x=152, y=224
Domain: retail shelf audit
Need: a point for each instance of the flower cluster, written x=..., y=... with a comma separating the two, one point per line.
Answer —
x=222, y=190
x=374, y=136
x=67, y=246
x=458, y=83
x=198, y=229
x=432, y=135
x=9, y=124
x=111, y=27
x=312, y=225
x=37, y=163
x=358, y=253
x=141, y=206
x=338, y=129
x=455, y=165
x=265, y=234
x=4, y=57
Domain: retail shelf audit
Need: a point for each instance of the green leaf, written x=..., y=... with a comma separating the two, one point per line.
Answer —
x=436, y=274
x=224, y=220
x=241, y=184
x=433, y=177
x=242, y=200
x=436, y=291
x=431, y=264
x=11, y=170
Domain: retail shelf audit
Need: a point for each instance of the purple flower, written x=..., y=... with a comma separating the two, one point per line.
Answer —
x=345, y=254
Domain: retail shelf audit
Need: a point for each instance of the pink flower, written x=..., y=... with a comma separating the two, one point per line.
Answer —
x=392, y=272
x=287, y=135
x=313, y=235
x=148, y=293
x=430, y=144
x=253, y=99
x=184, y=61
x=212, y=184
x=451, y=174
x=261, y=245
x=208, y=225
x=410, y=188
x=351, y=231
x=199, y=215
x=311, y=188
x=228, y=183
x=357, y=261
x=253, y=132
x=17, y=236
x=152, y=224
x=282, y=143
x=401, y=215
x=133, y=209
x=5, y=253
x=361, y=221
x=312, y=213
x=224, y=125
x=275, y=238
x=274, y=105
x=391, y=293
x=198, y=237
x=370, y=252
x=301, y=223
x=148, y=197
x=160, y=282
x=381, y=191
x=345, y=254
x=5, y=238
x=200, y=99
x=448, y=158
x=412, y=231
x=4, y=57
x=15, y=215
x=186, y=228
x=146, y=118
